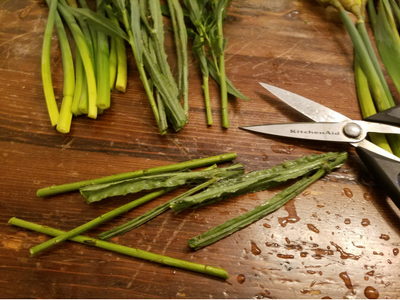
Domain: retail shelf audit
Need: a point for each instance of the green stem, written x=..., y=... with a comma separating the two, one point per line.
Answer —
x=161, y=259
x=254, y=215
x=371, y=13
x=46, y=68
x=102, y=66
x=206, y=90
x=122, y=66
x=80, y=41
x=79, y=73
x=377, y=89
x=99, y=220
x=113, y=61
x=367, y=104
x=367, y=42
x=152, y=213
x=65, y=117
x=192, y=164
x=181, y=40
x=222, y=74
x=84, y=101
x=142, y=73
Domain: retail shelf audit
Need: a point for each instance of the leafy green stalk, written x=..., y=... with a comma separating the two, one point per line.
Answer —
x=254, y=215
x=99, y=220
x=219, y=7
x=80, y=42
x=65, y=117
x=266, y=208
x=98, y=192
x=161, y=259
x=367, y=104
x=136, y=45
x=152, y=213
x=198, y=50
x=46, y=68
x=181, y=40
x=256, y=180
x=191, y=164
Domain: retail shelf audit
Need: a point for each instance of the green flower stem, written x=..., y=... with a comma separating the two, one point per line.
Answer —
x=99, y=220
x=371, y=13
x=206, y=90
x=161, y=259
x=85, y=55
x=65, y=117
x=46, y=68
x=192, y=164
x=102, y=67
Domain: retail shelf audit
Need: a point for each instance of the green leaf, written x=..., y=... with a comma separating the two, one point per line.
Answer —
x=99, y=22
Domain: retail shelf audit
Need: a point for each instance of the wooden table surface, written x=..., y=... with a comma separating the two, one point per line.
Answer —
x=338, y=239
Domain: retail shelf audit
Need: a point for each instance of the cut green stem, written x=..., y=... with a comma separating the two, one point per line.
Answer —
x=80, y=42
x=192, y=164
x=267, y=207
x=65, y=117
x=152, y=213
x=99, y=220
x=161, y=259
x=46, y=68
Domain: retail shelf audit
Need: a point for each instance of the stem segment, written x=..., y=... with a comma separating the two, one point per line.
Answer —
x=161, y=259
x=99, y=220
x=196, y=163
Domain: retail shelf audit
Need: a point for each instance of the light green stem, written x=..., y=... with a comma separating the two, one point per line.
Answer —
x=161, y=259
x=192, y=164
x=46, y=68
x=99, y=220
x=65, y=117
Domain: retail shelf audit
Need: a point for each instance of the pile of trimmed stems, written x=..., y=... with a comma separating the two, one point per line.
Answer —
x=100, y=65
x=208, y=186
x=100, y=57
x=207, y=20
x=373, y=90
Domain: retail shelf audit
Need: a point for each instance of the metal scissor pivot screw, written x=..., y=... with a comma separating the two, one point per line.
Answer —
x=352, y=130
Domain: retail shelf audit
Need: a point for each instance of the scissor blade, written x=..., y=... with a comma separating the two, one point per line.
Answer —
x=376, y=149
x=332, y=132
x=309, y=108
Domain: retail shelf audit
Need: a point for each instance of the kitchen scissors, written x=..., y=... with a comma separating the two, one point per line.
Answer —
x=332, y=126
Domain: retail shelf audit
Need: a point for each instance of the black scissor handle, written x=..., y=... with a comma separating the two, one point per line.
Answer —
x=385, y=171
x=389, y=116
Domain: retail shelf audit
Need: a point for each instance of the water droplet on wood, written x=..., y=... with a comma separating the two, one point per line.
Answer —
x=241, y=278
x=254, y=249
x=348, y=192
x=371, y=293
x=365, y=222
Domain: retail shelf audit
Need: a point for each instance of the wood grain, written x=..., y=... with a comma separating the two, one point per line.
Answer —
x=335, y=240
